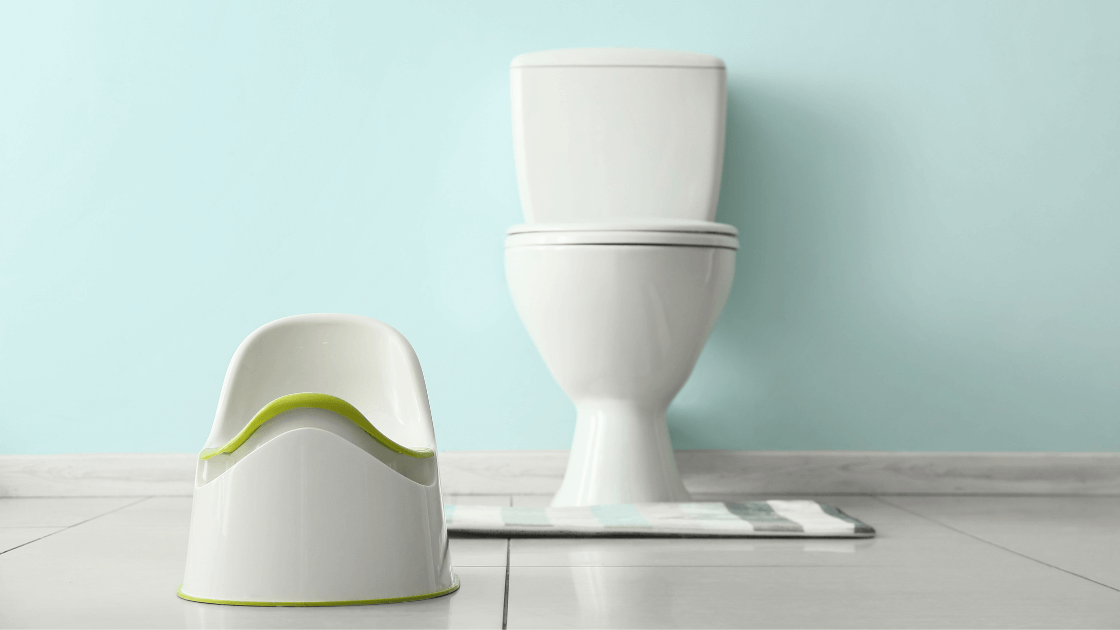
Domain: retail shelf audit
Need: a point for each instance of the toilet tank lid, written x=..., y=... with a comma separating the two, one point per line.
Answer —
x=616, y=57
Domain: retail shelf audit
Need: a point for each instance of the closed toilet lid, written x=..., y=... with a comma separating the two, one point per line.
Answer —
x=679, y=232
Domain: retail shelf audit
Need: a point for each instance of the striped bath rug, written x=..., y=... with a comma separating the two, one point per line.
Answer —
x=804, y=519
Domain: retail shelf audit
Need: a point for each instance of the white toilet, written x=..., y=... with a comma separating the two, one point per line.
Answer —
x=619, y=271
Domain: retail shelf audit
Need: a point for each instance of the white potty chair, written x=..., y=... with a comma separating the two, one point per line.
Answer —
x=318, y=484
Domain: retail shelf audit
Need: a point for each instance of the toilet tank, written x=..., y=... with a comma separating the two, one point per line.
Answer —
x=612, y=134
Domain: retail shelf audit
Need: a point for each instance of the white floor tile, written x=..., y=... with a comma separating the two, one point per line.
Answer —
x=478, y=552
x=1078, y=534
x=903, y=540
x=122, y=570
x=12, y=537
x=951, y=550
x=1019, y=594
x=56, y=512
x=475, y=551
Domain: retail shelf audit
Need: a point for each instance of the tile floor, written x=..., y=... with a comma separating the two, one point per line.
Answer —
x=938, y=562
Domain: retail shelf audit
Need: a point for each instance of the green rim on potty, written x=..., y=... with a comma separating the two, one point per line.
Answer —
x=305, y=492
x=313, y=401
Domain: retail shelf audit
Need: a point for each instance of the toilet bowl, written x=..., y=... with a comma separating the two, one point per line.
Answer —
x=619, y=272
x=620, y=317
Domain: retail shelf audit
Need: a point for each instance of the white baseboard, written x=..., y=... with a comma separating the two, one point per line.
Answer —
x=812, y=472
x=97, y=475
x=704, y=472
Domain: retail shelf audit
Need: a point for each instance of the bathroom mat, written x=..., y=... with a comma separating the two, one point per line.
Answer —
x=760, y=519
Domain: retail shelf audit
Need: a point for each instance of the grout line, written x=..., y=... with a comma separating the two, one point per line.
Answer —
x=1072, y=495
x=759, y=492
x=994, y=544
x=141, y=500
x=762, y=493
x=1025, y=495
x=97, y=496
x=505, y=598
x=692, y=566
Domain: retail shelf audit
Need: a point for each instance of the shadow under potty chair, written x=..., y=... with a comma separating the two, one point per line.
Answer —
x=318, y=484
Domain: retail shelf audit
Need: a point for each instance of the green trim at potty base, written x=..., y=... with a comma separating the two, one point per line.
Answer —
x=356, y=602
x=310, y=400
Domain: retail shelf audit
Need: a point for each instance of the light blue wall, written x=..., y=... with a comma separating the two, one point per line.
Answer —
x=928, y=196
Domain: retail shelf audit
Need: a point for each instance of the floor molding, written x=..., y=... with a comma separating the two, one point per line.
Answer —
x=97, y=474
x=704, y=472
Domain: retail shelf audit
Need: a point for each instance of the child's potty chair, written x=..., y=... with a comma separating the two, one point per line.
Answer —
x=318, y=485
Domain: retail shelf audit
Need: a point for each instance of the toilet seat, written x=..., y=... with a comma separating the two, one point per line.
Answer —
x=675, y=232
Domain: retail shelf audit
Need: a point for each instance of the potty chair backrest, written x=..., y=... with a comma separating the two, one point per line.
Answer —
x=358, y=360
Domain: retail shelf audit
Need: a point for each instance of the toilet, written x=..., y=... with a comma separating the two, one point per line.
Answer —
x=620, y=270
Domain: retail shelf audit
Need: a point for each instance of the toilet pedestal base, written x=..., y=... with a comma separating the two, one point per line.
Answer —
x=621, y=454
